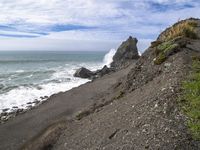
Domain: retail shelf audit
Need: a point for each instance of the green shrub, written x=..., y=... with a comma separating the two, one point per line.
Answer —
x=164, y=50
x=191, y=100
x=160, y=59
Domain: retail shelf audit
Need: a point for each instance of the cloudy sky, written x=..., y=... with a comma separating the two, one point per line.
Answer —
x=87, y=24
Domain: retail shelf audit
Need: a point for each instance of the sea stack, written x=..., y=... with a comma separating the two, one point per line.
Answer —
x=126, y=54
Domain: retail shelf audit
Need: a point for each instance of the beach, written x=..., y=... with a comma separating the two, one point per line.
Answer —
x=57, y=108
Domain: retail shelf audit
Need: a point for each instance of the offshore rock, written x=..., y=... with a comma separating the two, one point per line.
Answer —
x=126, y=54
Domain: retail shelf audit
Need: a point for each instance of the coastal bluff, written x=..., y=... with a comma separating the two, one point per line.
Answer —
x=145, y=103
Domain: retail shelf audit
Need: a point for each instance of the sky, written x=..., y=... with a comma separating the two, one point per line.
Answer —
x=76, y=25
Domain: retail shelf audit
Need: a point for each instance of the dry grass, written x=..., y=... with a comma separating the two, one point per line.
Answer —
x=184, y=29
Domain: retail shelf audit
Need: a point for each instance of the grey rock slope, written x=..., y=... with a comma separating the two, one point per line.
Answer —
x=56, y=110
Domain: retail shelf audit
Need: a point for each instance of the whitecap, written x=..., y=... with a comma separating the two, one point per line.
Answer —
x=22, y=95
x=108, y=58
x=19, y=71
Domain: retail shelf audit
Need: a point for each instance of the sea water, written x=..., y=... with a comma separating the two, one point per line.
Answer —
x=27, y=76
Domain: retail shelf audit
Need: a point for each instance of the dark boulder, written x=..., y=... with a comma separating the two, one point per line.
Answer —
x=126, y=53
x=83, y=73
x=102, y=72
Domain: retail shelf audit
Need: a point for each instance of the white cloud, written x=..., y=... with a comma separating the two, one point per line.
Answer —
x=115, y=21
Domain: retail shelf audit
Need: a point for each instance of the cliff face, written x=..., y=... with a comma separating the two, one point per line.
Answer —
x=142, y=109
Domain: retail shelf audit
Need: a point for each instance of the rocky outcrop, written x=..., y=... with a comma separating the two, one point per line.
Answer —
x=83, y=73
x=105, y=70
x=126, y=54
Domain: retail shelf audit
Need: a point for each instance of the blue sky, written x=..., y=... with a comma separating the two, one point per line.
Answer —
x=87, y=24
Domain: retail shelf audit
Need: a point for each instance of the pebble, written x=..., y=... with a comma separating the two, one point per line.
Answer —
x=36, y=102
x=44, y=97
x=156, y=105
x=167, y=64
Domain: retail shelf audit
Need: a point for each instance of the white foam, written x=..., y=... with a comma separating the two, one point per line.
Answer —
x=21, y=96
x=64, y=74
x=19, y=71
x=108, y=58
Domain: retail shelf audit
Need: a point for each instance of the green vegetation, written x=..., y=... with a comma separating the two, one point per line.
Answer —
x=163, y=50
x=191, y=99
x=168, y=44
x=160, y=59
x=184, y=29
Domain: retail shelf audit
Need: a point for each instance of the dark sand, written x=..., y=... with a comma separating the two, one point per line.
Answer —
x=62, y=106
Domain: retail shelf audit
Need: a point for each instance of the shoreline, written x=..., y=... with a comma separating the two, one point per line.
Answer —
x=61, y=106
x=25, y=84
x=9, y=113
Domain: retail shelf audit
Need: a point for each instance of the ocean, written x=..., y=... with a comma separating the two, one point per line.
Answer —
x=27, y=76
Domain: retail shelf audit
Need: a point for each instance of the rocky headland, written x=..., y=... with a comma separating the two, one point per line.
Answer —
x=145, y=102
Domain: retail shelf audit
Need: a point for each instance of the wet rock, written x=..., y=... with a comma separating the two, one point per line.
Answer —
x=43, y=97
x=6, y=109
x=29, y=107
x=19, y=110
x=36, y=102
x=3, y=114
x=14, y=107
x=83, y=73
x=46, y=97
x=104, y=70
x=3, y=118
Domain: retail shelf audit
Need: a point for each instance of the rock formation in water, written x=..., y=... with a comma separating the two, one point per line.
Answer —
x=83, y=73
x=126, y=54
